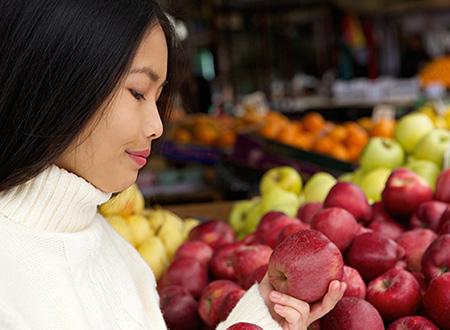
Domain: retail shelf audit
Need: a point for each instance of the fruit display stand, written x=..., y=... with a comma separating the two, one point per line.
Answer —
x=261, y=154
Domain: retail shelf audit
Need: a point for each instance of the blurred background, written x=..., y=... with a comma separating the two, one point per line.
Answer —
x=304, y=83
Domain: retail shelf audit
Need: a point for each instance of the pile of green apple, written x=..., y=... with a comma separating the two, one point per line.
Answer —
x=281, y=189
x=418, y=145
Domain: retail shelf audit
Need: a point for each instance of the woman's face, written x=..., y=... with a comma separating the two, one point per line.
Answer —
x=104, y=153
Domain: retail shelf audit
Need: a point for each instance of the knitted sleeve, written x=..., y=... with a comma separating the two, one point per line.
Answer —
x=252, y=309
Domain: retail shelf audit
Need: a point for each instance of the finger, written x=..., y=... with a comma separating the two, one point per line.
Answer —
x=286, y=300
x=335, y=292
x=291, y=315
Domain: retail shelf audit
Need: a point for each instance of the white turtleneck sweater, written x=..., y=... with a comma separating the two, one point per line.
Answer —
x=63, y=267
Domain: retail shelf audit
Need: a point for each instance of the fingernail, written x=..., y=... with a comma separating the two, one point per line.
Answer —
x=275, y=295
x=278, y=307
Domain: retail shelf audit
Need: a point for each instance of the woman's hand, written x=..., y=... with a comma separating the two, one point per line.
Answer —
x=294, y=314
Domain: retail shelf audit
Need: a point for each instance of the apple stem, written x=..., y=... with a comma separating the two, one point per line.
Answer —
x=387, y=283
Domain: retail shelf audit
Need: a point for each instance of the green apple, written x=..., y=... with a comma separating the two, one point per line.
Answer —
x=411, y=129
x=285, y=177
x=381, y=153
x=357, y=176
x=373, y=183
x=239, y=213
x=155, y=255
x=433, y=146
x=426, y=169
x=318, y=186
x=346, y=177
x=253, y=217
x=277, y=199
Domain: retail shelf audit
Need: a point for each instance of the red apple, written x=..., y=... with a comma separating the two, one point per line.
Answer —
x=337, y=224
x=244, y=326
x=350, y=197
x=413, y=323
x=316, y=325
x=363, y=230
x=353, y=314
x=444, y=228
x=254, y=277
x=436, y=259
x=304, y=264
x=213, y=232
x=442, y=192
x=188, y=273
x=379, y=213
x=355, y=284
x=291, y=229
x=221, y=265
x=179, y=308
x=229, y=302
x=248, y=258
x=437, y=301
x=388, y=228
x=307, y=211
x=250, y=239
x=444, y=222
x=212, y=298
x=372, y=254
x=270, y=227
x=404, y=191
x=394, y=294
x=415, y=242
x=195, y=249
x=422, y=282
x=428, y=215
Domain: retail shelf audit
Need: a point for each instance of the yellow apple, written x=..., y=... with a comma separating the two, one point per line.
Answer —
x=171, y=236
x=121, y=226
x=140, y=227
x=189, y=224
x=157, y=217
x=125, y=203
x=155, y=255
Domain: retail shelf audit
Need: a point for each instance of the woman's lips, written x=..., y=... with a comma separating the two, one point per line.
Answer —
x=139, y=157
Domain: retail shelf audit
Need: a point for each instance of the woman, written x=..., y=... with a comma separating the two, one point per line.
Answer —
x=84, y=84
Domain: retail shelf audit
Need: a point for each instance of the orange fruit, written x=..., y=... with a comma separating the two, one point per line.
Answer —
x=313, y=122
x=323, y=145
x=270, y=130
x=354, y=152
x=339, y=152
x=205, y=134
x=338, y=133
x=366, y=123
x=288, y=134
x=304, y=141
x=182, y=135
x=356, y=135
x=384, y=128
x=226, y=138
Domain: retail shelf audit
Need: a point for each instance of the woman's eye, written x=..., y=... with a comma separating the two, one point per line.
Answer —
x=136, y=95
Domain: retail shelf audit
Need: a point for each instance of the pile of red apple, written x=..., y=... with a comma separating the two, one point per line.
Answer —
x=394, y=256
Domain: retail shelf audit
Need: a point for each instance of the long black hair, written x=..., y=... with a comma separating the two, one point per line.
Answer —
x=60, y=61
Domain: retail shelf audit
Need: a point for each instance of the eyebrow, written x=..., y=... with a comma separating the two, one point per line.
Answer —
x=150, y=73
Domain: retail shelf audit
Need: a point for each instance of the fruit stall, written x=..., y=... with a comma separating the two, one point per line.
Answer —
x=306, y=180
x=383, y=229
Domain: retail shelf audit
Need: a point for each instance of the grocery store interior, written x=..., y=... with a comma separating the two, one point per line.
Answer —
x=304, y=83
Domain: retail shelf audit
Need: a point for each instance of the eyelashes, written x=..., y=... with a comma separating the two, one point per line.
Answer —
x=138, y=96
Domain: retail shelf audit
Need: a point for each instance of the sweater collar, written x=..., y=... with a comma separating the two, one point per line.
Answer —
x=55, y=200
